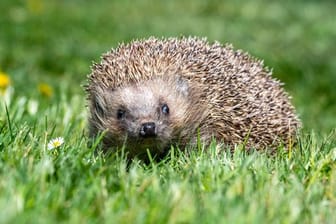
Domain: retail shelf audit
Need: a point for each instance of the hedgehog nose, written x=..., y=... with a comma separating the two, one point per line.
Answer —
x=147, y=130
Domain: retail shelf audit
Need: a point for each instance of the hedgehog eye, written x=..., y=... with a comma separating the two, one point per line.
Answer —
x=165, y=109
x=121, y=114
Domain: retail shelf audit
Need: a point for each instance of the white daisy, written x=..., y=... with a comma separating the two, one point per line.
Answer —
x=55, y=143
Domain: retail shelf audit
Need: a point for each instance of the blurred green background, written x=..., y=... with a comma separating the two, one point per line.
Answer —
x=56, y=41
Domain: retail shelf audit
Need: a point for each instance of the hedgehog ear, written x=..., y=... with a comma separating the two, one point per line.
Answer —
x=98, y=102
x=182, y=86
x=99, y=107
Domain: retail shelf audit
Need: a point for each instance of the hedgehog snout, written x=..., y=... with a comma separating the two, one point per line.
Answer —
x=147, y=130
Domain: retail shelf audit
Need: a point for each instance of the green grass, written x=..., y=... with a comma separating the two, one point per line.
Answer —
x=55, y=42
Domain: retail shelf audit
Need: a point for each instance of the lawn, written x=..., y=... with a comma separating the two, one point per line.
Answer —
x=46, y=49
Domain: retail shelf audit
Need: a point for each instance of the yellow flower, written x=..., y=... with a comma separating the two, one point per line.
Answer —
x=55, y=143
x=35, y=6
x=4, y=81
x=45, y=89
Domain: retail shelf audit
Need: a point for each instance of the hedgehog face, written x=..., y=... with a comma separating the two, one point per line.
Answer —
x=147, y=115
x=142, y=116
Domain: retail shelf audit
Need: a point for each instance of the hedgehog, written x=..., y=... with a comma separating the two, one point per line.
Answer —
x=152, y=94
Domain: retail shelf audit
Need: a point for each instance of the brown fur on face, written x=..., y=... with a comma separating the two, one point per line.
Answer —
x=122, y=112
